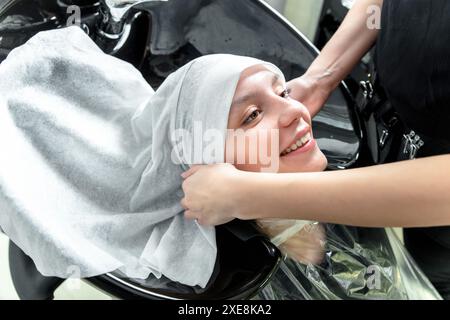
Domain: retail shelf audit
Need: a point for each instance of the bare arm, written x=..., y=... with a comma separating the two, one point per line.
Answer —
x=404, y=194
x=344, y=50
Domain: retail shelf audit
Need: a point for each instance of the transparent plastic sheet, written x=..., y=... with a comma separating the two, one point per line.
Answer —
x=357, y=263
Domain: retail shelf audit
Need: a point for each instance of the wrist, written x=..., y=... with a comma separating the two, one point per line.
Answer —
x=240, y=187
x=249, y=195
x=321, y=80
x=258, y=194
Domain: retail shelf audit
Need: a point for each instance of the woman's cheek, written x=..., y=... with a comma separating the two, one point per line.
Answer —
x=255, y=149
x=245, y=158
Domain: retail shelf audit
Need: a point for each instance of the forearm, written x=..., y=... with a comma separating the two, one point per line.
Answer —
x=405, y=194
x=346, y=48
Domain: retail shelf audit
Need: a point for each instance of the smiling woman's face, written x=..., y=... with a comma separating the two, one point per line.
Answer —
x=262, y=105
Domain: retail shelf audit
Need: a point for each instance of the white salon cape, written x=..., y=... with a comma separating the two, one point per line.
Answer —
x=90, y=167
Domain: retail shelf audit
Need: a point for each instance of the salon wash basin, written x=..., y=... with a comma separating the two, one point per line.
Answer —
x=158, y=37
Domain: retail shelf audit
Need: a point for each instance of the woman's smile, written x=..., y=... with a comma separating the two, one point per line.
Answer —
x=304, y=145
x=301, y=140
x=268, y=102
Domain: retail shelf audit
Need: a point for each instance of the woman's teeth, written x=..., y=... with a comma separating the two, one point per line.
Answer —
x=300, y=143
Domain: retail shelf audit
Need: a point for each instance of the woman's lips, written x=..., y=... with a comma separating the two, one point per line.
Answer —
x=301, y=138
x=303, y=149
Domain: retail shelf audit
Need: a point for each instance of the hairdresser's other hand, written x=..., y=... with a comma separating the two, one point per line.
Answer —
x=307, y=90
x=211, y=193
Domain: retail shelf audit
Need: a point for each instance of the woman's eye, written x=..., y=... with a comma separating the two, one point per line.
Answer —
x=252, y=116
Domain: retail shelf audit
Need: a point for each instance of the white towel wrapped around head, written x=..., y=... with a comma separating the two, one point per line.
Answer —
x=89, y=181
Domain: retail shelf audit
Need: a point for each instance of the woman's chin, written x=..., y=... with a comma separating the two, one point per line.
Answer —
x=312, y=162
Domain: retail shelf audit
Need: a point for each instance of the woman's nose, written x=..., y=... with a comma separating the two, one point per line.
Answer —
x=289, y=115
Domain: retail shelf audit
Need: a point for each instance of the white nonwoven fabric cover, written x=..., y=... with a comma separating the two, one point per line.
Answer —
x=89, y=180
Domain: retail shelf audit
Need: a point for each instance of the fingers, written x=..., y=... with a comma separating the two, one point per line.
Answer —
x=195, y=215
x=191, y=171
x=189, y=212
x=190, y=215
x=184, y=204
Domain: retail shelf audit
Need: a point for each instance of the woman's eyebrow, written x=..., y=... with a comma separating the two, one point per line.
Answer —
x=241, y=100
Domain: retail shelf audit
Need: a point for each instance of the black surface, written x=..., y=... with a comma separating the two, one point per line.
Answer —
x=28, y=282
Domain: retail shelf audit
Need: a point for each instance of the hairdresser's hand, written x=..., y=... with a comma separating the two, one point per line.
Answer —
x=309, y=92
x=211, y=193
